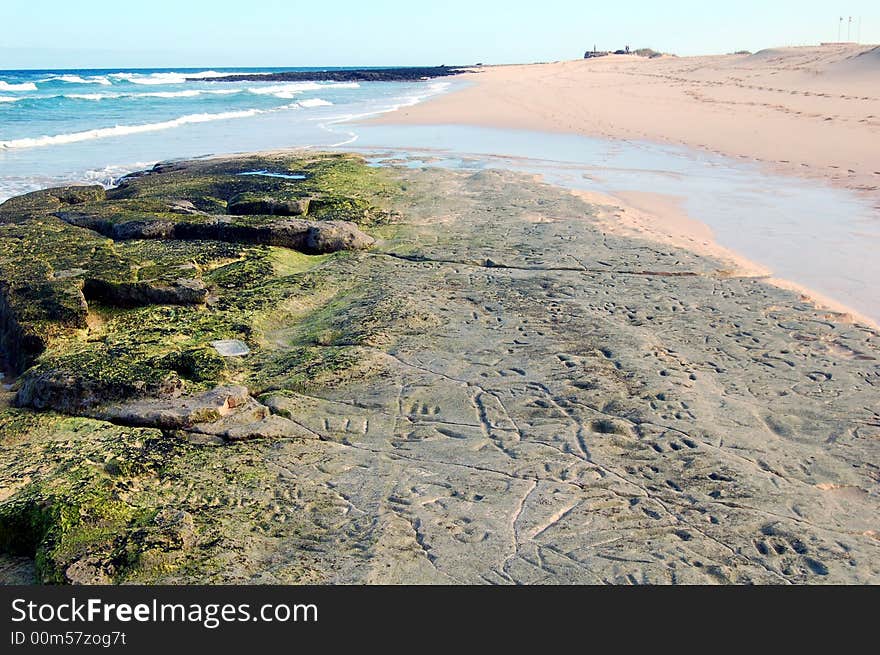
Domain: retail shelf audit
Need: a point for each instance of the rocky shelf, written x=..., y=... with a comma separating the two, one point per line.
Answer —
x=485, y=386
x=345, y=75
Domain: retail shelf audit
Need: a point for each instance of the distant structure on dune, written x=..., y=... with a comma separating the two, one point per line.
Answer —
x=641, y=52
x=592, y=54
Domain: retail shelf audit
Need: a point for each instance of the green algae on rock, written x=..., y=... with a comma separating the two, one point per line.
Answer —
x=68, y=509
x=107, y=298
x=88, y=276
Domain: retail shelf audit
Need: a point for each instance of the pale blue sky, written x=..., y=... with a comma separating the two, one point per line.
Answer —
x=200, y=33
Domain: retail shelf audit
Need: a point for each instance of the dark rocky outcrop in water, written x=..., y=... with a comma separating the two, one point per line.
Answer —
x=345, y=75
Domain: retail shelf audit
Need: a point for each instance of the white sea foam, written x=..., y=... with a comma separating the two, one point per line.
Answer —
x=122, y=130
x=76, y=79
x=432, y=90
x=402, y=101
x=330, y=124
x=205, y=74
x=191, y=93
x=109, y=175
x=24, y=86
x=287, y=91
x=408, y=101
x=290, y=89
x=162, y=78
x=152, y=79
x=315, y=102
x=9, y=99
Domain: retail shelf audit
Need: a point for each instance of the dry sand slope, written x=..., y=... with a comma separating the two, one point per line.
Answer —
x=811, y=110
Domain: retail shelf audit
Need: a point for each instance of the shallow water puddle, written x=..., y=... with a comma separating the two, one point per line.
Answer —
x=231, y=348
x=285, y=176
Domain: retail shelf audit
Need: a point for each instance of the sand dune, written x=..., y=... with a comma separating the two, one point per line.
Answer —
x=813, y=111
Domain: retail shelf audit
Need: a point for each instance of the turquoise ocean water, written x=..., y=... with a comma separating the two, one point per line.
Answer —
x=95, y=125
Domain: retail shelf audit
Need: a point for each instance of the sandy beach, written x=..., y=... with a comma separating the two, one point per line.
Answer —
x=811, y=111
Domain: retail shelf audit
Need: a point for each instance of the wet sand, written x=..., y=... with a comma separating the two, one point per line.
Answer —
x=814, y=238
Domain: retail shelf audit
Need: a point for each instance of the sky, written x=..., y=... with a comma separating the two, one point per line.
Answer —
x=237, y=33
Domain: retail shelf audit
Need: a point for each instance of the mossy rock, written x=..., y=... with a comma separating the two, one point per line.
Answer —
x=197, y=364
x=342, y=208
x=48, y=200
x=351, y=190
x=74, y=383
x=253, y=269
x=75, y=516
x=245, y=204
x=108, y=298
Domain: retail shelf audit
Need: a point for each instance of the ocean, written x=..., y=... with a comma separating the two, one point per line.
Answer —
x=92, y=126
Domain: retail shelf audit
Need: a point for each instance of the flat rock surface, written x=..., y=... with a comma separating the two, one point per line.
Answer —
x=500, y=392
x=584, y=412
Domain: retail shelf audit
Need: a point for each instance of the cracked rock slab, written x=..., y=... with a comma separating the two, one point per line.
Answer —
x=502, y=392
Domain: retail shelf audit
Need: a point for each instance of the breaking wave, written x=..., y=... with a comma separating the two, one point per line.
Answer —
x=192, y=93
x=76, y=79
x=24, y=86
x=288, y=91
x=122, y=130
x=162, y=78
x=315, y=102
